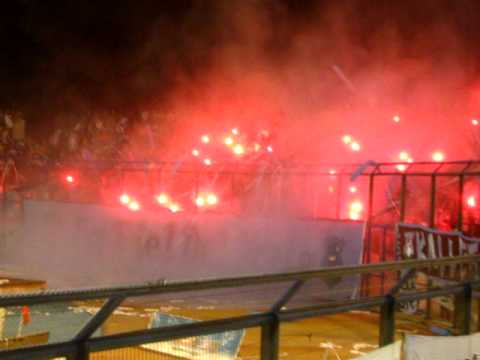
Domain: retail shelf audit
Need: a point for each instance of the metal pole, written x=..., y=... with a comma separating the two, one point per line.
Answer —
x=461, y=184
x=289, y=294
x=371, y=188
x=384, y=256
x=83, y=352
x=478, y=315
x=368, y=235
x=99, y=318
x=403, y=194
x=428, y=305
x=387, y=321
x=3, y=211
x=433, y=191
x=270, y=339
x=463, y=310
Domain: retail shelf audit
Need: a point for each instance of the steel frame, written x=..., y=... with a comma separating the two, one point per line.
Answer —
x=83, y=343
x=372, y=170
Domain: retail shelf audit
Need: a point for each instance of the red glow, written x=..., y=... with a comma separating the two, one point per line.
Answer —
x=354, y=215
x=403, y=156
x=124, y=199
x=347, y=139
x=212, y=199
x=174, y=207
x=209, y=199
x=331, y=189
x=238, y=149
x=471, y=201
x=332, y=172
x=228, y=141
x=355, y=210
x=355, y=146
x=356, y=206
x=438, y=156
x=134, y=205
x=162, y=199
x=200, y=201
x=70, y=179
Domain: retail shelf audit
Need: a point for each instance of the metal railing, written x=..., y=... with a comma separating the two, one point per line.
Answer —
x=83, y=343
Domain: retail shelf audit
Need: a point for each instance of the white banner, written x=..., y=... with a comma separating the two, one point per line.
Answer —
x=87, y=245
x=389, y=352
x=417, y=347
x=420, y=242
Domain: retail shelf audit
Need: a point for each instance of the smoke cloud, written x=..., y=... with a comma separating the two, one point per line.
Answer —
x=310, y=71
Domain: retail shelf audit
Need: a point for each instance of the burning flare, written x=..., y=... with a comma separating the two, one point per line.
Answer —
x=438, y=156
x=124, y=199
x=355, y=146
x=347, y=139
x=471, y=201
x=162, y=199
x=134, y=205
x=238, y=149
x=228, y=141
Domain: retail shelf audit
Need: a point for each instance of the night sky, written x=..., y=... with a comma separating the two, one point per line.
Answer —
x=64, y=56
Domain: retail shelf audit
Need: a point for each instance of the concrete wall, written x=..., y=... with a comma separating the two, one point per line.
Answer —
x=89, y=245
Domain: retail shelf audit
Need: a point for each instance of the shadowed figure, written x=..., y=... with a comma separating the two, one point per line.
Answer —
x=333, y=257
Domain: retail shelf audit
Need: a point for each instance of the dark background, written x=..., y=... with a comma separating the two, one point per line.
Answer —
x=64, y=56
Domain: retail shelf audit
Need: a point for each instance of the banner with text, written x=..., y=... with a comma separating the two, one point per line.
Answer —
x=419, y=242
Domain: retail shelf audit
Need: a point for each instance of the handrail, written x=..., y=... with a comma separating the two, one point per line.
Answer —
x=55, y=295
x=83, y=343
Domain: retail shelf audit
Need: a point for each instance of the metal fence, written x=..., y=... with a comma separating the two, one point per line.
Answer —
x=392, y=192
x=83, y=344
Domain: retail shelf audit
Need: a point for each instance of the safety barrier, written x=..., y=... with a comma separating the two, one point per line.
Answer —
x=83, y=343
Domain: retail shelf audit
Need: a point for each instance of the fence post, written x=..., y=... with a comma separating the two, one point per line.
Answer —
x=403, y=194
x=463, y=310
x=82, y=353
x=461, y=183
x=478, y=315
x=387, y=321
x=433, y=194
x=428, y=301
x=368, y=236
x=270, y=339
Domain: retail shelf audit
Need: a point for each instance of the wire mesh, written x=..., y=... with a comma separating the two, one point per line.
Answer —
x=140, y=313
x=239, y=344
x=341, y=336
x=26, y=326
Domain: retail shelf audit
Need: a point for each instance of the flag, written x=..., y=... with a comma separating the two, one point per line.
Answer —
x=25, y=315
